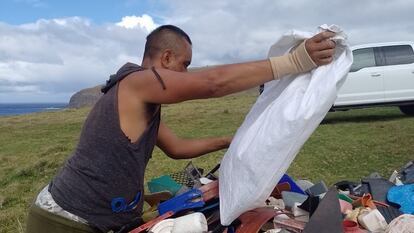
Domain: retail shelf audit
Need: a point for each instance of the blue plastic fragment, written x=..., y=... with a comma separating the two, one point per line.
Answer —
x=402, y=195
x=188, y=200
x=293, y=186
x=209, y=207
x=119, y=204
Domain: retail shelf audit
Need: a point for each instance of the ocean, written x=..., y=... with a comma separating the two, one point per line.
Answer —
x=9, y=109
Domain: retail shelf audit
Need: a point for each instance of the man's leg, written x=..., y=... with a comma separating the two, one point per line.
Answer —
x=41, y=221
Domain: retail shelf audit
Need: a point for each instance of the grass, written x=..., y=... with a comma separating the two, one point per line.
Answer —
x=347, y=145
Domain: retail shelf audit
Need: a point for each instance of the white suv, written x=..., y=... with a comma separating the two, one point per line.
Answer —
x=382, y=74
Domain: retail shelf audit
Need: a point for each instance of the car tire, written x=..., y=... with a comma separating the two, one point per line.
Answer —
x=407, y=109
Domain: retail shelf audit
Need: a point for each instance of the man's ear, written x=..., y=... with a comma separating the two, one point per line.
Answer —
x=166, y=58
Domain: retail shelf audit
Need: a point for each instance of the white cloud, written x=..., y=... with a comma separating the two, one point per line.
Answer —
x=145, y=22
x=55, y=58
x=240, y=30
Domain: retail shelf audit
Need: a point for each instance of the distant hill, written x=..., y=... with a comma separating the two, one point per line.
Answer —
x=86, y=97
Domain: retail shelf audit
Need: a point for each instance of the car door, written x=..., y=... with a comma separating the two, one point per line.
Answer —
x=397, y=63
x=364, y=84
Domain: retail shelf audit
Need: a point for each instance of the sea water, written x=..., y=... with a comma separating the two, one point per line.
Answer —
x=8, y=109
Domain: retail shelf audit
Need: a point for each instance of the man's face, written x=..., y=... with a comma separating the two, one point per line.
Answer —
x=181, y=59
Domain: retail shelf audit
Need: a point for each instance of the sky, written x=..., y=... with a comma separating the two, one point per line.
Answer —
x=50, y=49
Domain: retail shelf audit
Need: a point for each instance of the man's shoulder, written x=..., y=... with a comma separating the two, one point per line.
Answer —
x=126, y=70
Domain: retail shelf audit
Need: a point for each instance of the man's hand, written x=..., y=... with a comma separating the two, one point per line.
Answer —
x=316, y=51
x=321, y=48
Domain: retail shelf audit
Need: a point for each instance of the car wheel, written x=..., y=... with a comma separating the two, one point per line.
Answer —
x=407, y=110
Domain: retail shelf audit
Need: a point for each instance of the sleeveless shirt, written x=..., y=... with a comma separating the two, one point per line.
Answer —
x=103, y=181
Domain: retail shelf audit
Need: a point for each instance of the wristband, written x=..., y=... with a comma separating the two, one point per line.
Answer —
x=295, y=62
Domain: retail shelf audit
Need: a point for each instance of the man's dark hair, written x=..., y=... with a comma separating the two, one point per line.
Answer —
x=164, y=37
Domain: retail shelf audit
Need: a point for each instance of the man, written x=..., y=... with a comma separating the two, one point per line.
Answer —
x=100, y=188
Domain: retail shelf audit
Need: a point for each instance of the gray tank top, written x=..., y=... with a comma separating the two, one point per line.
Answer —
x=103, y=180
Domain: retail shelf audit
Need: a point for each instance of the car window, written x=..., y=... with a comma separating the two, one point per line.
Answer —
x=397, y=55
x=363, y=58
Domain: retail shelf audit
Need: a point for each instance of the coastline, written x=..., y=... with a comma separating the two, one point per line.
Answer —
x=14, y=109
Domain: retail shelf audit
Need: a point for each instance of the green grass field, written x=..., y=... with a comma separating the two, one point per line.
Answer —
x=347, y=145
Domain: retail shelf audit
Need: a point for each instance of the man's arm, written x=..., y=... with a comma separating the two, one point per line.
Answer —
x=217, y=81
x=179, y=148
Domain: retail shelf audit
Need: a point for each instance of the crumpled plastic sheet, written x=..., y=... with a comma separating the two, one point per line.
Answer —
x=282, y=119
x=404, y=223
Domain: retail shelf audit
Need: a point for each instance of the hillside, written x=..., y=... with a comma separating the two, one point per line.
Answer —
x=85, y=97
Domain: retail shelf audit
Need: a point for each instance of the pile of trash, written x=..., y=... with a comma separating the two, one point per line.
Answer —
x=188, y=201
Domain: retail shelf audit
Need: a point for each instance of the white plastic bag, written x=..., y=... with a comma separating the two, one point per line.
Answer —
x=282, y=119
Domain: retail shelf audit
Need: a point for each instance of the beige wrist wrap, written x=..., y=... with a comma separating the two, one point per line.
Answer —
x=295, y=62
